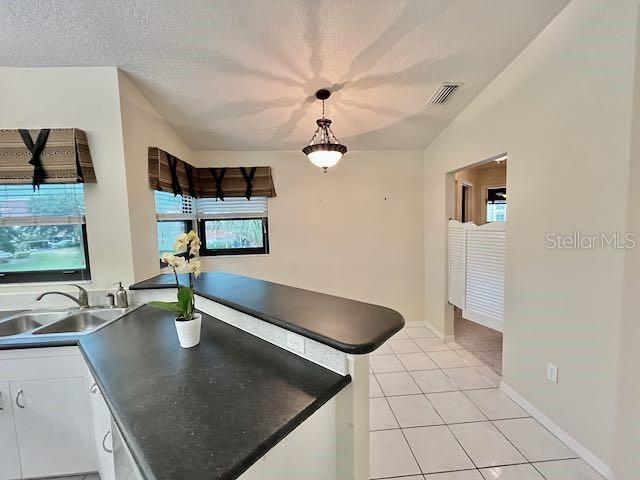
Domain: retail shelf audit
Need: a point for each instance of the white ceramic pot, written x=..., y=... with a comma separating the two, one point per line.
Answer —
x=189, y=332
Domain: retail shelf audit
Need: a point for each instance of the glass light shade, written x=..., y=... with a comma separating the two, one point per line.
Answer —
x=324, y=158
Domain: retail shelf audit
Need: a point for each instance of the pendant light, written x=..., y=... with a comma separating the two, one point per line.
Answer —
x=324, y=150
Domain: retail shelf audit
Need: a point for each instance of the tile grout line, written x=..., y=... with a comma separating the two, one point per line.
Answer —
x=488, y=420
x=444, y=424
x=415, y=459
x=424, y=394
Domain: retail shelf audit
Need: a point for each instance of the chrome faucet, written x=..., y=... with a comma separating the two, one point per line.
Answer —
x=82, y=300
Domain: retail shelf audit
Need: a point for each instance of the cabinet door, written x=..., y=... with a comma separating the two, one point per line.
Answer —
x=102, y=433
x=53, y=426
x=9, y=460
x=125, y=466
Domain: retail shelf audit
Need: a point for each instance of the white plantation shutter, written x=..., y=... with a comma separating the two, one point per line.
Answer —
x=232, y=207
x=485, y=273
x=456, y=263
x=476, y=271
x=52, y=204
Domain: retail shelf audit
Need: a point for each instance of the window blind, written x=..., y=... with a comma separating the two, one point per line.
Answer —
x=232, y=207
x=170, y=207
x=174, y=207
x=52, y=204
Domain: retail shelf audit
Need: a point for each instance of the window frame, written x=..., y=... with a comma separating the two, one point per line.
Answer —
x=62, y=275
x=196, y=220
x=206, y=252
x=188, y=224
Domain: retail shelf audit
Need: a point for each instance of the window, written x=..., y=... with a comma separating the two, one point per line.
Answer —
x=42, y=233
x=175, y=215
x=235, y=226
x=497, y=204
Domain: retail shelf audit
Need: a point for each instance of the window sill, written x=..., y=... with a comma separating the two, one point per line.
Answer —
x=211, y=257
x=56, y=282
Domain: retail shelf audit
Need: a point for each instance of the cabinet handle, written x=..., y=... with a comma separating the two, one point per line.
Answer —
x=18, y=395
x=104, y=442
x=94, y=388
x=1, y=403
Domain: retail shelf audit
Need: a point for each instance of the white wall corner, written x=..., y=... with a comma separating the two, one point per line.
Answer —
x=438, y=333
x=587, y=455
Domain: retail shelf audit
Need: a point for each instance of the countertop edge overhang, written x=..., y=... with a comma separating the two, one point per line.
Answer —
x=327, y=319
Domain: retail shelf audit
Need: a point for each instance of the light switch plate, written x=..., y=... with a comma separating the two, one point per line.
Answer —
x=295, y=342
x=552, y=373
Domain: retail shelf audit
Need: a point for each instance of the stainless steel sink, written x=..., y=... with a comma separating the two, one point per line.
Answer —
x=84, y=320
x=76, y=321
x=27, y=322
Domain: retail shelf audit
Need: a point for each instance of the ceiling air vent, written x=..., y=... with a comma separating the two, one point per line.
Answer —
x=443, y=93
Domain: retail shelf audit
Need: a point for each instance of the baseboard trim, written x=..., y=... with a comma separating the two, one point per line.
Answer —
x=414, y=324
x=438, y=333
x=601, y=467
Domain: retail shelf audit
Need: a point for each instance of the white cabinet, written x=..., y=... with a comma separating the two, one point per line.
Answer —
x=9, y=460
x=102, y=433
x=52, y=424
x=45, y=421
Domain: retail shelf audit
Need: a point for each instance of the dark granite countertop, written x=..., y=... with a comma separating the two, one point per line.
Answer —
x=206, y=412
x=346, y=325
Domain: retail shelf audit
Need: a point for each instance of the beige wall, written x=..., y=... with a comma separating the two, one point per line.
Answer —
x=85, y=98
x=563, y=105
x=627, y=430
x=356, y=231
x=143, y=126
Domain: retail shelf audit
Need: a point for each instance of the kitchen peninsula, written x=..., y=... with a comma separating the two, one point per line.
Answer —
x=280, y=372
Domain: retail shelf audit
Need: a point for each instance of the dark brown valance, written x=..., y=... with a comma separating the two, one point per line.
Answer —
x=57, y=155
x=170, y=174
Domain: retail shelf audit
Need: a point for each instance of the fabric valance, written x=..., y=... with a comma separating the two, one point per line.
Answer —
x=170, y=174
x=57, y=155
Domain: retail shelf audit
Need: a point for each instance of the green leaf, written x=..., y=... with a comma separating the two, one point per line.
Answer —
x=185, y=297
x=173, y=307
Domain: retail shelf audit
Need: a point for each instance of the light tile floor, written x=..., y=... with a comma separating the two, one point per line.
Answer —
x=436, y=414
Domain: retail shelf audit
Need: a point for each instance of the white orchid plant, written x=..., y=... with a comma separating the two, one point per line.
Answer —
x=184, y=260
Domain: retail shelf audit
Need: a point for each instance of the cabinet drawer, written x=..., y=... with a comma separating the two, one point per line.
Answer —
x=41, y=368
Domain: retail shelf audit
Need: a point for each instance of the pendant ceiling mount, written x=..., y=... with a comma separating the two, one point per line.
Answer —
x=324, y=149
x=323, y=94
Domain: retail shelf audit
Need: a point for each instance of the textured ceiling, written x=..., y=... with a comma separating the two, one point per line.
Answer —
x=241, y=74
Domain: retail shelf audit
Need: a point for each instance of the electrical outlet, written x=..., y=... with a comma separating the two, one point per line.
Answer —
x=295, y=342
x=552, y=373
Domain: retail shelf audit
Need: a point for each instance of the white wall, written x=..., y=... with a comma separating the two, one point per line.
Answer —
x=627, y=430
x=85, y=98
x=562, y=111
x=355, y=231
x=142, y=127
